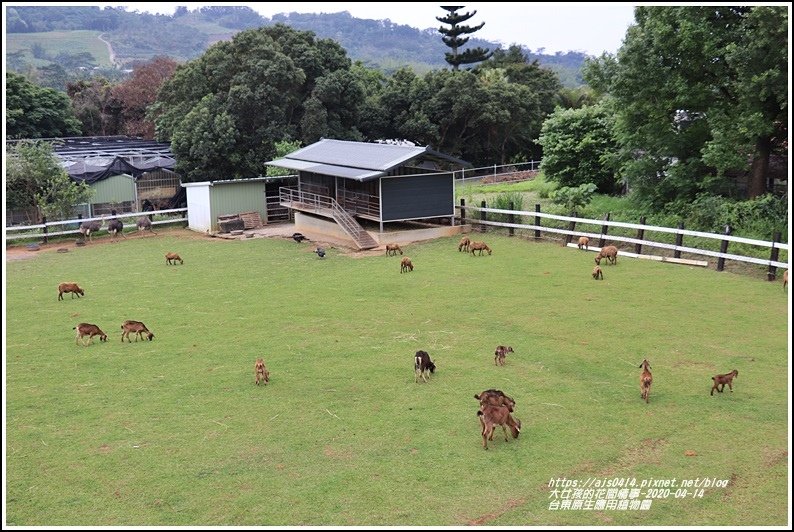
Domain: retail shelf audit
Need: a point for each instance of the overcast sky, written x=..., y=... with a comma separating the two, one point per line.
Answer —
x=587, y=27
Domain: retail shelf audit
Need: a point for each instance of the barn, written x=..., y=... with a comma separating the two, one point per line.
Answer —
x=347, y=181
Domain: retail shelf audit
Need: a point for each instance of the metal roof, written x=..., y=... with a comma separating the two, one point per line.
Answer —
x=361, y=161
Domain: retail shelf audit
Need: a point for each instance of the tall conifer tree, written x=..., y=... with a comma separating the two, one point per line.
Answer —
x=452, y=38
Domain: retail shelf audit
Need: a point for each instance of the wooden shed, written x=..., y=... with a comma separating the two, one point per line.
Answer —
x=345, y=180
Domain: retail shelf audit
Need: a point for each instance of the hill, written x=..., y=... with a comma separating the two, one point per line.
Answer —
x=37, y=36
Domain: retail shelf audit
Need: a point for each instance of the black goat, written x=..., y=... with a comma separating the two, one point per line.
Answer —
x=423, y=366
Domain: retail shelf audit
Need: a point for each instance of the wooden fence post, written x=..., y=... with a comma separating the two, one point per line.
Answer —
x=640, y=236
x=723, y=249
x=604, y=229
x=462, y=211
x=44, y=221
x=571, y=227
x=537, y=220
x=511, y=218
x=482, y=216
x=679, y=239
x=771, y=275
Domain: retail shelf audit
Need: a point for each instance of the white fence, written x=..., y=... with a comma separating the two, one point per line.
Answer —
x=475, y=175
x=773, y=246
x=44, y=229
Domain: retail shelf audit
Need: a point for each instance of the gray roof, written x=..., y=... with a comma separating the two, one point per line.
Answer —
x=361, y=161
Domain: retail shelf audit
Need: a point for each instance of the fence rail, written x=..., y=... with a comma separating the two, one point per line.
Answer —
x=774, y=246
x=46, y=233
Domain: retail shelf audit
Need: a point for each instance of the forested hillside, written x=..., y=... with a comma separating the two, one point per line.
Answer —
x=136, y=37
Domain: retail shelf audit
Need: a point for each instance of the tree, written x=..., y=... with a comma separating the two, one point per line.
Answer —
x=283, y=147
x=139, y=92
x=95, y=106
x=452, y=37
x=35, y=177
x=701, y=96
x=579, y=147
x=36, y=112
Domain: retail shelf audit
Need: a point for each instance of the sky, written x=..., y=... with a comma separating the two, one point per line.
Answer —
x=592, y=28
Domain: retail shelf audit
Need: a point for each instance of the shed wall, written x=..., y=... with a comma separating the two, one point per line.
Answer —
x=234, y=198
x=412, y=197
x=198, y=208
x=114, y=189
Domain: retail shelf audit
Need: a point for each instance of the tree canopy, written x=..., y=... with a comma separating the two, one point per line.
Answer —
x=34, y=112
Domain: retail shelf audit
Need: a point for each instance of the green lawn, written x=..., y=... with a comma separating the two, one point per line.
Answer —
x=54, y=42
x=174, y=431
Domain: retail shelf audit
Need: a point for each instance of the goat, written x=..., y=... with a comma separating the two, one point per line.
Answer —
x=89, y=228
x=490, y=416
x=479, y=246
x=64, y=288
x=90, y=330
x=721, y=380
x=583, y=242
x=645, y=380
x=423, y=366
x=610, y=252
x=392, y=249
x=598, y=273
x=116, y=227
x=495, y=398
x=144, y=224
x=464, y=244
x=260, y=371
x=406, y=265
x=499, y=355
x=298, y=237
x=136, y=327
x=785, y=279
x=173, y=257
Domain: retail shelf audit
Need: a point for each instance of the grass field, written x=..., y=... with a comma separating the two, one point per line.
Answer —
x=54, y=42
x=174, y=431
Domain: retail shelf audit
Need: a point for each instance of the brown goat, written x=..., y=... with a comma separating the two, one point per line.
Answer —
x=136, y=327
x=785, y=279
x=499, y=355
x=583, y=242
x=173, y=257
x=261, y=372
x=598, y=273
x=721, y=380
x=144, y=224
x=495, y=398
x=464, y=244
x=479, y=246
x=392, y=249
x=610, y=252
x=90, y=330
x=490, y=416
x=645, y=380
x=406, y=265
x=65, y=288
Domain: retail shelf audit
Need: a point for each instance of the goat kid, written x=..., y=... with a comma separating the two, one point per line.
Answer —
x=479, y=246
x=423, y=366
x=646, y=379
x=173, y=257
x=610, y=252
x=583, y=242
x=137, y=327
x=392, y=249
x=721, y=380
x=90, y=330
x=495, y=398
x=260, y=371
x=65, y=288
x=464, y=244
x=490, y=416
x=406, y=265
x=598, y=273
x=499, y=354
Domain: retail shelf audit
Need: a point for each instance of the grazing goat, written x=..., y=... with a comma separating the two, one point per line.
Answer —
x=144, y=224
x=645, y=380
x=89, y=228
x=136, y=327
x=721, y=380
x=490, y=416
x=499, y=355
x=90, y=330
x=495, y=398
x=173, y=257
x=423, y=366
x=392, y=249
x=464, y=244
x=298, y=237
x=406, y=265
x=115, y=227
x=260, y=371
x=64, y=288
x=610, y=252
x=479, y=246
x=785, y=279
x=598, y=273
x=584, y=242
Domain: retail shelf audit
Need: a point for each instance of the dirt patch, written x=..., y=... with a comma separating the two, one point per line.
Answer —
x=512, y=503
